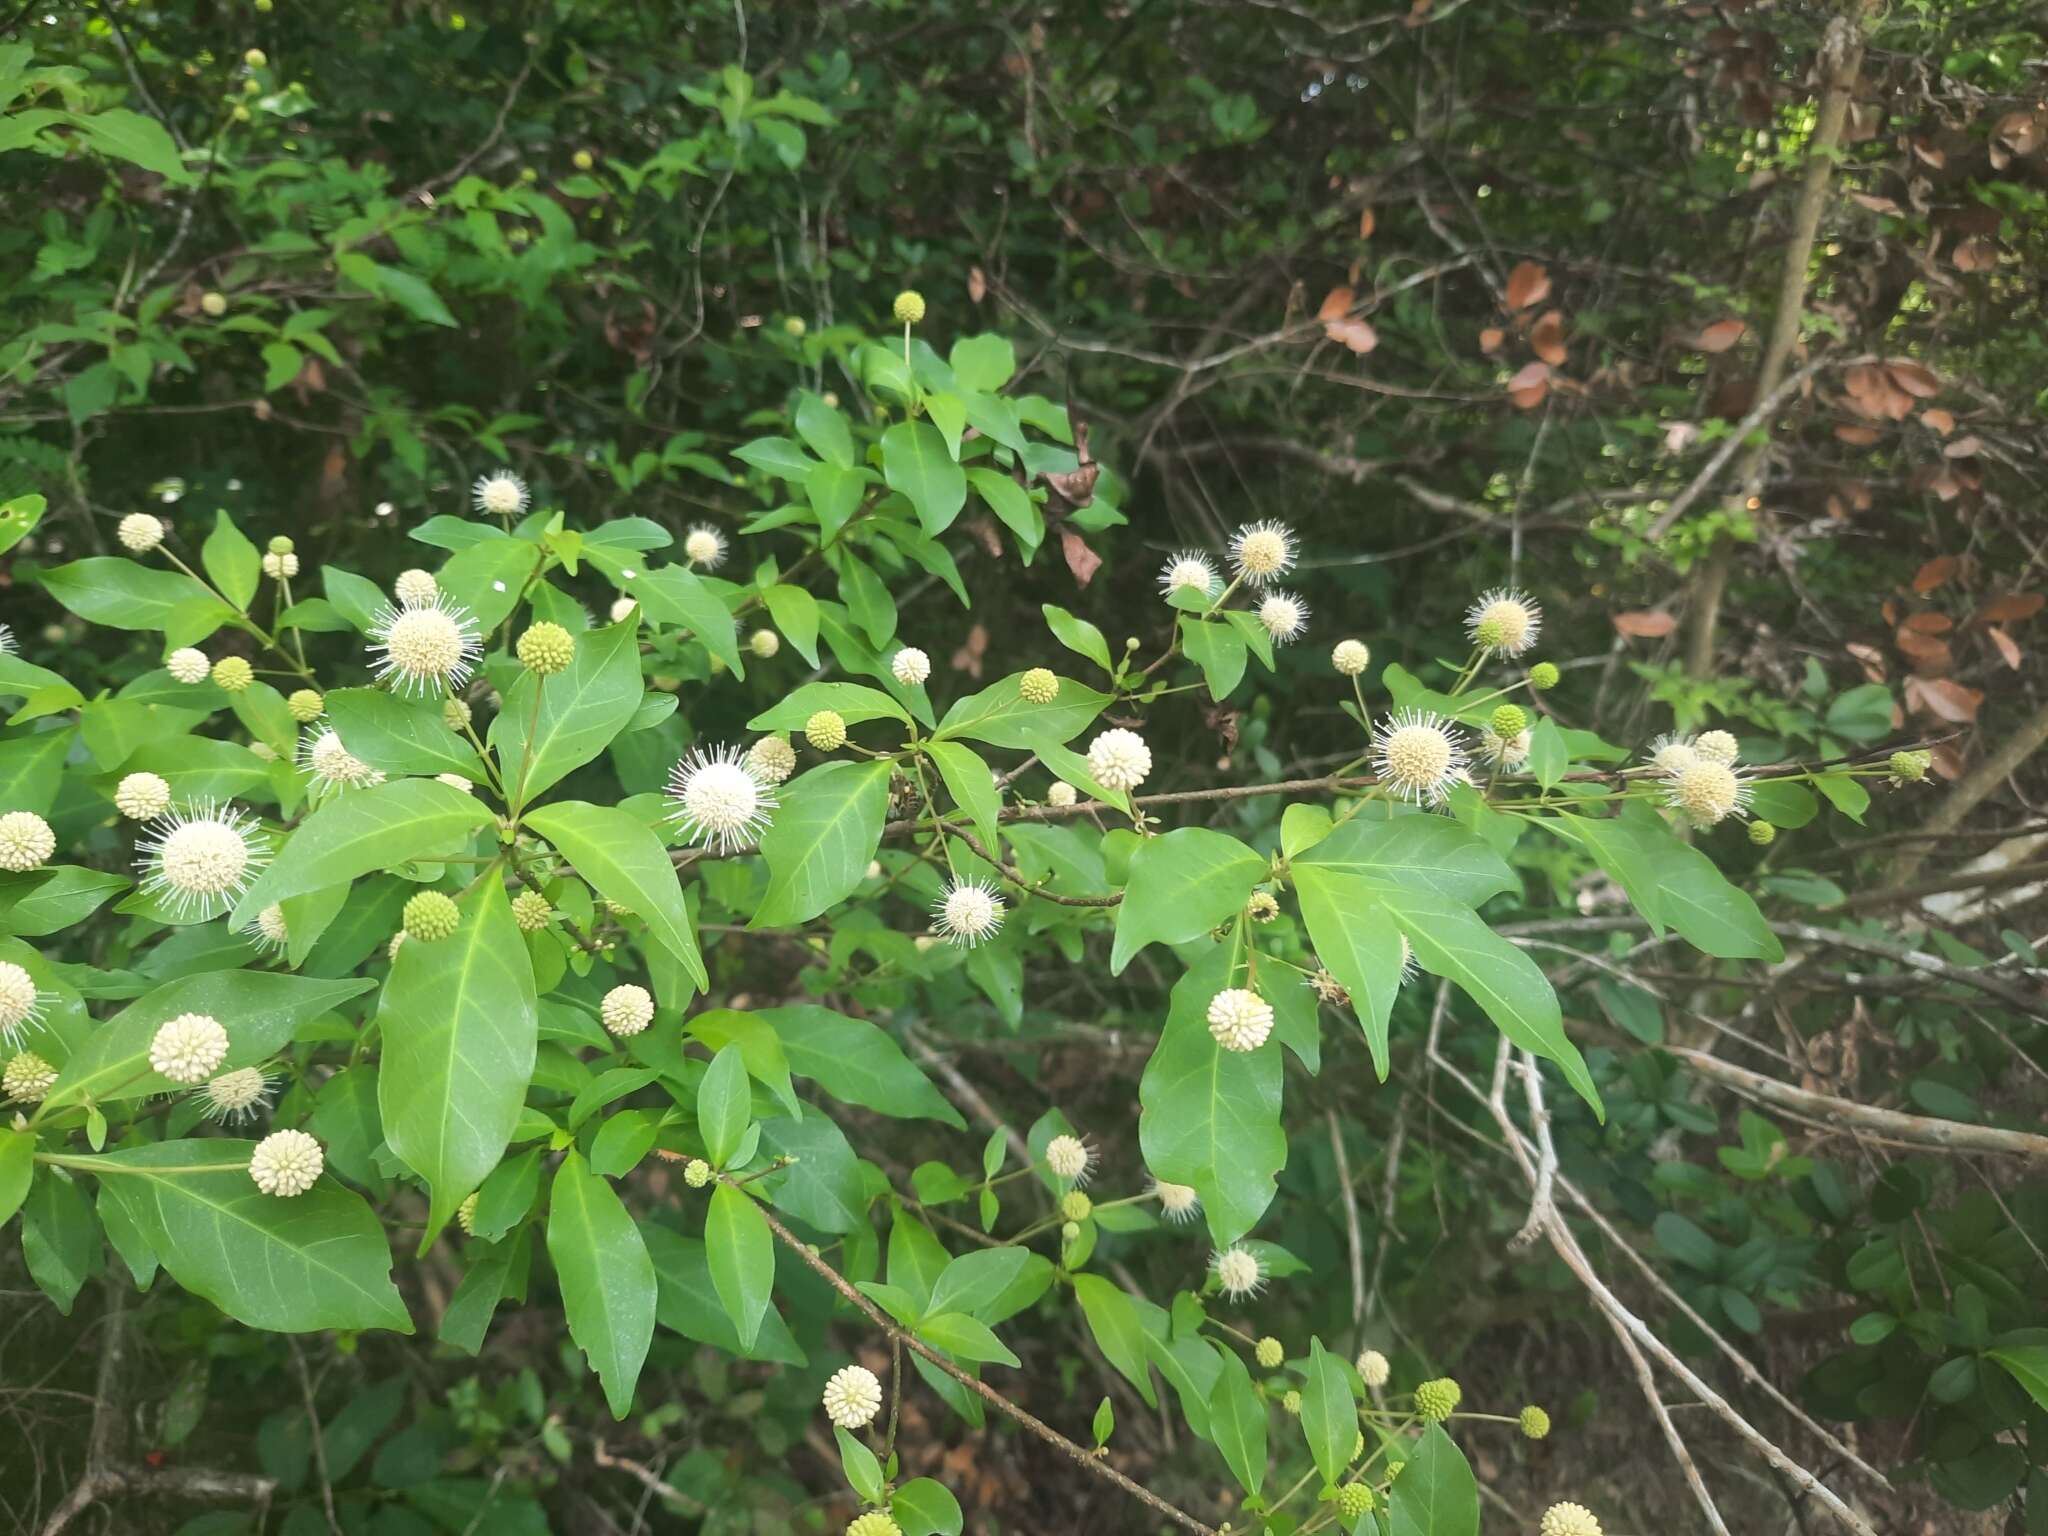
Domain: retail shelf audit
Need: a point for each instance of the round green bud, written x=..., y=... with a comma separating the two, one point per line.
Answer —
x=255, y=58
x=1070, y=1232
x=454, y=714
x=213, y=305
x=305, y=706
x=532, y=911
x=241, y=114
x=583, y=160
x=1270, y=1353
x=1076, y=1206
x=1910, y=767
x=909, y=307
x=1535, y=1422
x=1762, y=833
x=1437, y=1400
x=281, y=545
x=1292, y=1402
x=1039, y=686
x=1353, y=1500
x=547, y=649
x=252, y=88
x=765, y=643
x=1508, y=721
x=826, y=730
x=233, y=673
x=1543, y=676
x=696, y=1173
x=794, y=325
x=528, y=174
x=430, y=916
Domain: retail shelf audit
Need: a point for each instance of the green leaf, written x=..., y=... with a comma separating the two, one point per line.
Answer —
x=400, y=736
x=1211, y=1117
x=853, y=702
x=17, y=1169
x=626, y=862
x=354, y=598
x=488, y=576
x=123, y=595
x=982, y=362
x=795, y=613
x=688, y=1301
x=824, y=428
x=607, y=1278
x=1180, y=886
x=822, y=838
x=364, y=831
x=741, y=1251
x=1435, y=1495
x=581, y=710
x=1237, y=1423
x=922, y=1507
x=484, y=1284
x=916, y=464
x=1113, y=1320
x=1713, y=915
x=317, y=1260
x=1218, y=649
x=2027, y=1364
x=975, y=1281
x=1078, y=636
x=410, y=292
x=834, y=492
x=1329, y=1412
x=460, y=1024
x=857, y=1062
x=133, y=137
x=1358, y=945
x=863, y=1471
x=18, y=518
x=776, y=456
x=1845, y=794
x=1783, y=803
x=972, y=785
x=725, y=1105
x=674, y=595
x=261, y=1010
x=60, y=1238
x=53, y=899
x=958, y=1334
x=1002, y=717
x=1011, y=504
x=1422, y=852
x=232, y=561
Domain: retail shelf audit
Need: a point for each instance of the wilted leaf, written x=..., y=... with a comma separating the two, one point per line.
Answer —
x=1081, y=560
x=1645, y=623
x=1721, y=335
x=1929, y=656
x=1491, y=338
x=1941, y=421
x=1930, y=623
x=1528, y=387
x=1967, y=447
x=1934, y=573
x=2006, y=647
x=1547, y=339
x=2020, y=132
x=1528, y=284
x=2010, y=608
x=1871, y=659
x=1915, y=379
x=1336, y=304
x=1944, y=698
x=1976, y=254
x=1875, y=203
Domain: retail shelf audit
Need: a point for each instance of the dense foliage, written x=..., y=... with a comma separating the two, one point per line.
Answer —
x=923, y=769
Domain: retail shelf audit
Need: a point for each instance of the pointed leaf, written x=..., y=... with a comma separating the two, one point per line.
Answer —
x=742, y=1254
x=608, y=1289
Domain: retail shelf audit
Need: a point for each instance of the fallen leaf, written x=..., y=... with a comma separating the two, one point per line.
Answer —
x=1930, y=623
x=1861, y=437
x=1081, y=560
x=1528, y=284
x=1645, y=623
x=2010, y=608
x=2020, y=132
x=2006, y=647
x=1976, y=254
x=1934, y=573
x=1875, y=203
x=1930, y=657
x=1927, y=151
x=1945, y=698
x=1963, y=447
x=1870, y=658
x=1547, y=339
x=1915, y=379
x=1336, y=304
x=1528, y=387
x=1491, y=338
x=1721, y=335
x=1941, y=421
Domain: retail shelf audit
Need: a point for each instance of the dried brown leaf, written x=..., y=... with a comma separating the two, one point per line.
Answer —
x=1528, y=284
x=1645, y=623
x=2007, y=648
x=2010, y=608
x=1934, y=573
x=1721, y=335
x=1941, y=421
x=1491, y=338
x=1547, y=339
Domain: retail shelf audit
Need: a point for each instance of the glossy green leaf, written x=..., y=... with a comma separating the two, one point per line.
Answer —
x=607, y=1278
x=123, y=595
x=724, y=1105
x=822, y=838
x=1113, y=1320
x=741, y=1252
x=1329, y=1412
x=688, y=1301
x=626, y=863
x=852, y=702
x=17, y=1169
x=674, y=595
x=579, y=713
x=1002, y=717
x=1436, y=1494
x=400, y=735
x=916, y=463
x=958, y=1334
x=857, y=1062
x=232, y=562
x=1237, y=1423
x=1181, y=885
x=971, y=783
x=922, y=1507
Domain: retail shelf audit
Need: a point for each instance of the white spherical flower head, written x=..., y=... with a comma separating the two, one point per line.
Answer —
x=286, y=1163
x=1069, y=1158
x=141, y=796
x=1177, y=1202
x=1374, y=1369
x=1718, y=747
x=623, y=608
x=1509, y=752
x=852, y=1397
x=1708, y=792
x=188, y=1048
x=1239, y=1272
x=331, y=765
x=25, y=841
x=236, y=1096
x=502, y=494
x=425, y=650
x=1504, y=622
x=140, y=532
x=21, y=1004
x=1119, y=759
x=1568, y=1520
x=1240, y=1019
x=416, y=589
x=910, y=667
x=1418, y=756
x=1673, y=753
x=968, y=912
x=188, y=664
x=1350, y=657
x=704, y=547
x=626, y=1010
x=1262, y=552
x=1189, y=572
x=201, y=859
x=1061, y=793
x=772, y=759
x=270, y=929
x=717, y=799
x=1283, y=616
x=280, y=567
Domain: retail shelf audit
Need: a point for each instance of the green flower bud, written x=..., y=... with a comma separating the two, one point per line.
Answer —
x=233, y=673
x=547, y=649
x=1535, y=1422
x=430, y=916
x=1270, y=1353
x=532, y=911
x=454, y=714
x=1762, y=833
x=909, y=307
x=280, y=545
x=305, y=705
x=255, y=58
x=1353, y=1500
x=1039, y=686
x=1910, y=767
x=826, y=730
x=1292, y=1402
x=697, y=1173
x=583, y=160
x=1543, y=676
x=1076, y=1206
x=1508, y=721
x=1437, y=1400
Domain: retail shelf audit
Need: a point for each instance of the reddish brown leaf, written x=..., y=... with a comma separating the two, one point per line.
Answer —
x=1963, y=447
x=1491, y=338
x=1941, y=421
x=1336, y=304
x=1930, y=657
x=1928, y=152
x=1915, y=379
x=1365, y=224
x=1353, y=333
x=2006, y=647
x=1528, y=284
x=1976, y=254
x=1861, y=437
x=2010, y=608
x=1081, y=560
x=1934, y=573
x=977, y=284
x=1645, y=623
x=1720, y=336
x=1870, y=658
x=1528, y=387
x=2021, y=132
x=1930, y=623
x=1875, y=203
x=1944, y=698
x=1547, y=339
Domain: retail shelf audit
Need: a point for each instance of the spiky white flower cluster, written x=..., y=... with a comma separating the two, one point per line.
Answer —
x=1239, y=1272
x=188, y=1048
x=1673, y=753
x=1708, y=792
x=270, y=930
x=331, y=766
x=140, y=532
x=26, y=841
x=771, y=759
x=626, y=1010
x=1283, y=616
x=852, y=1396
x=1418, y=756
x=501, y=493
x=704, y=547
x=1505, y=622
x=21, y=1002
x=428, y=649
x=910, y=667
x=1240, y=1019
x=968, y=911
x=1718, y=747
x=1510, y=753
x=233, y=1097
x=1189, y=572
x=1119, y=759
x=1373, y=1368
x=1262, y=552
x=718, y=800
x=1177, y=1202
x=1350, y=657
x=7, y=645
x=1069, y=1158
x=286, y=1163
x=201, y=859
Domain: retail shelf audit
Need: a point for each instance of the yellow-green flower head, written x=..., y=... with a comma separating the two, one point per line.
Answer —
x=1437, y=1400
x=874, y=1523
x=454, y=714
x=1263, y=907
x=583, y=160
x=1909, y=767
x=28, y=1078
x=465, y=1214
x=1508, y=721
x=764, y=643
x=826, y=730
x=1270, y=1353
x=794, y=326
x=255, y=58
x=305, y=705
x=909, y=307
x=1076, y=1206
x=1568, y=1520
x=1762, y=833
x=1070, y=1232
x=1353, y=1500
x=430, y=916
x=696, y=1173
x=1291, y=1401
x=1708, y=792
x=1039, y=686
x=546, y=649
x=532, y=911
x=232, y=674
x=1543, y=676
x=1535, y=1422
